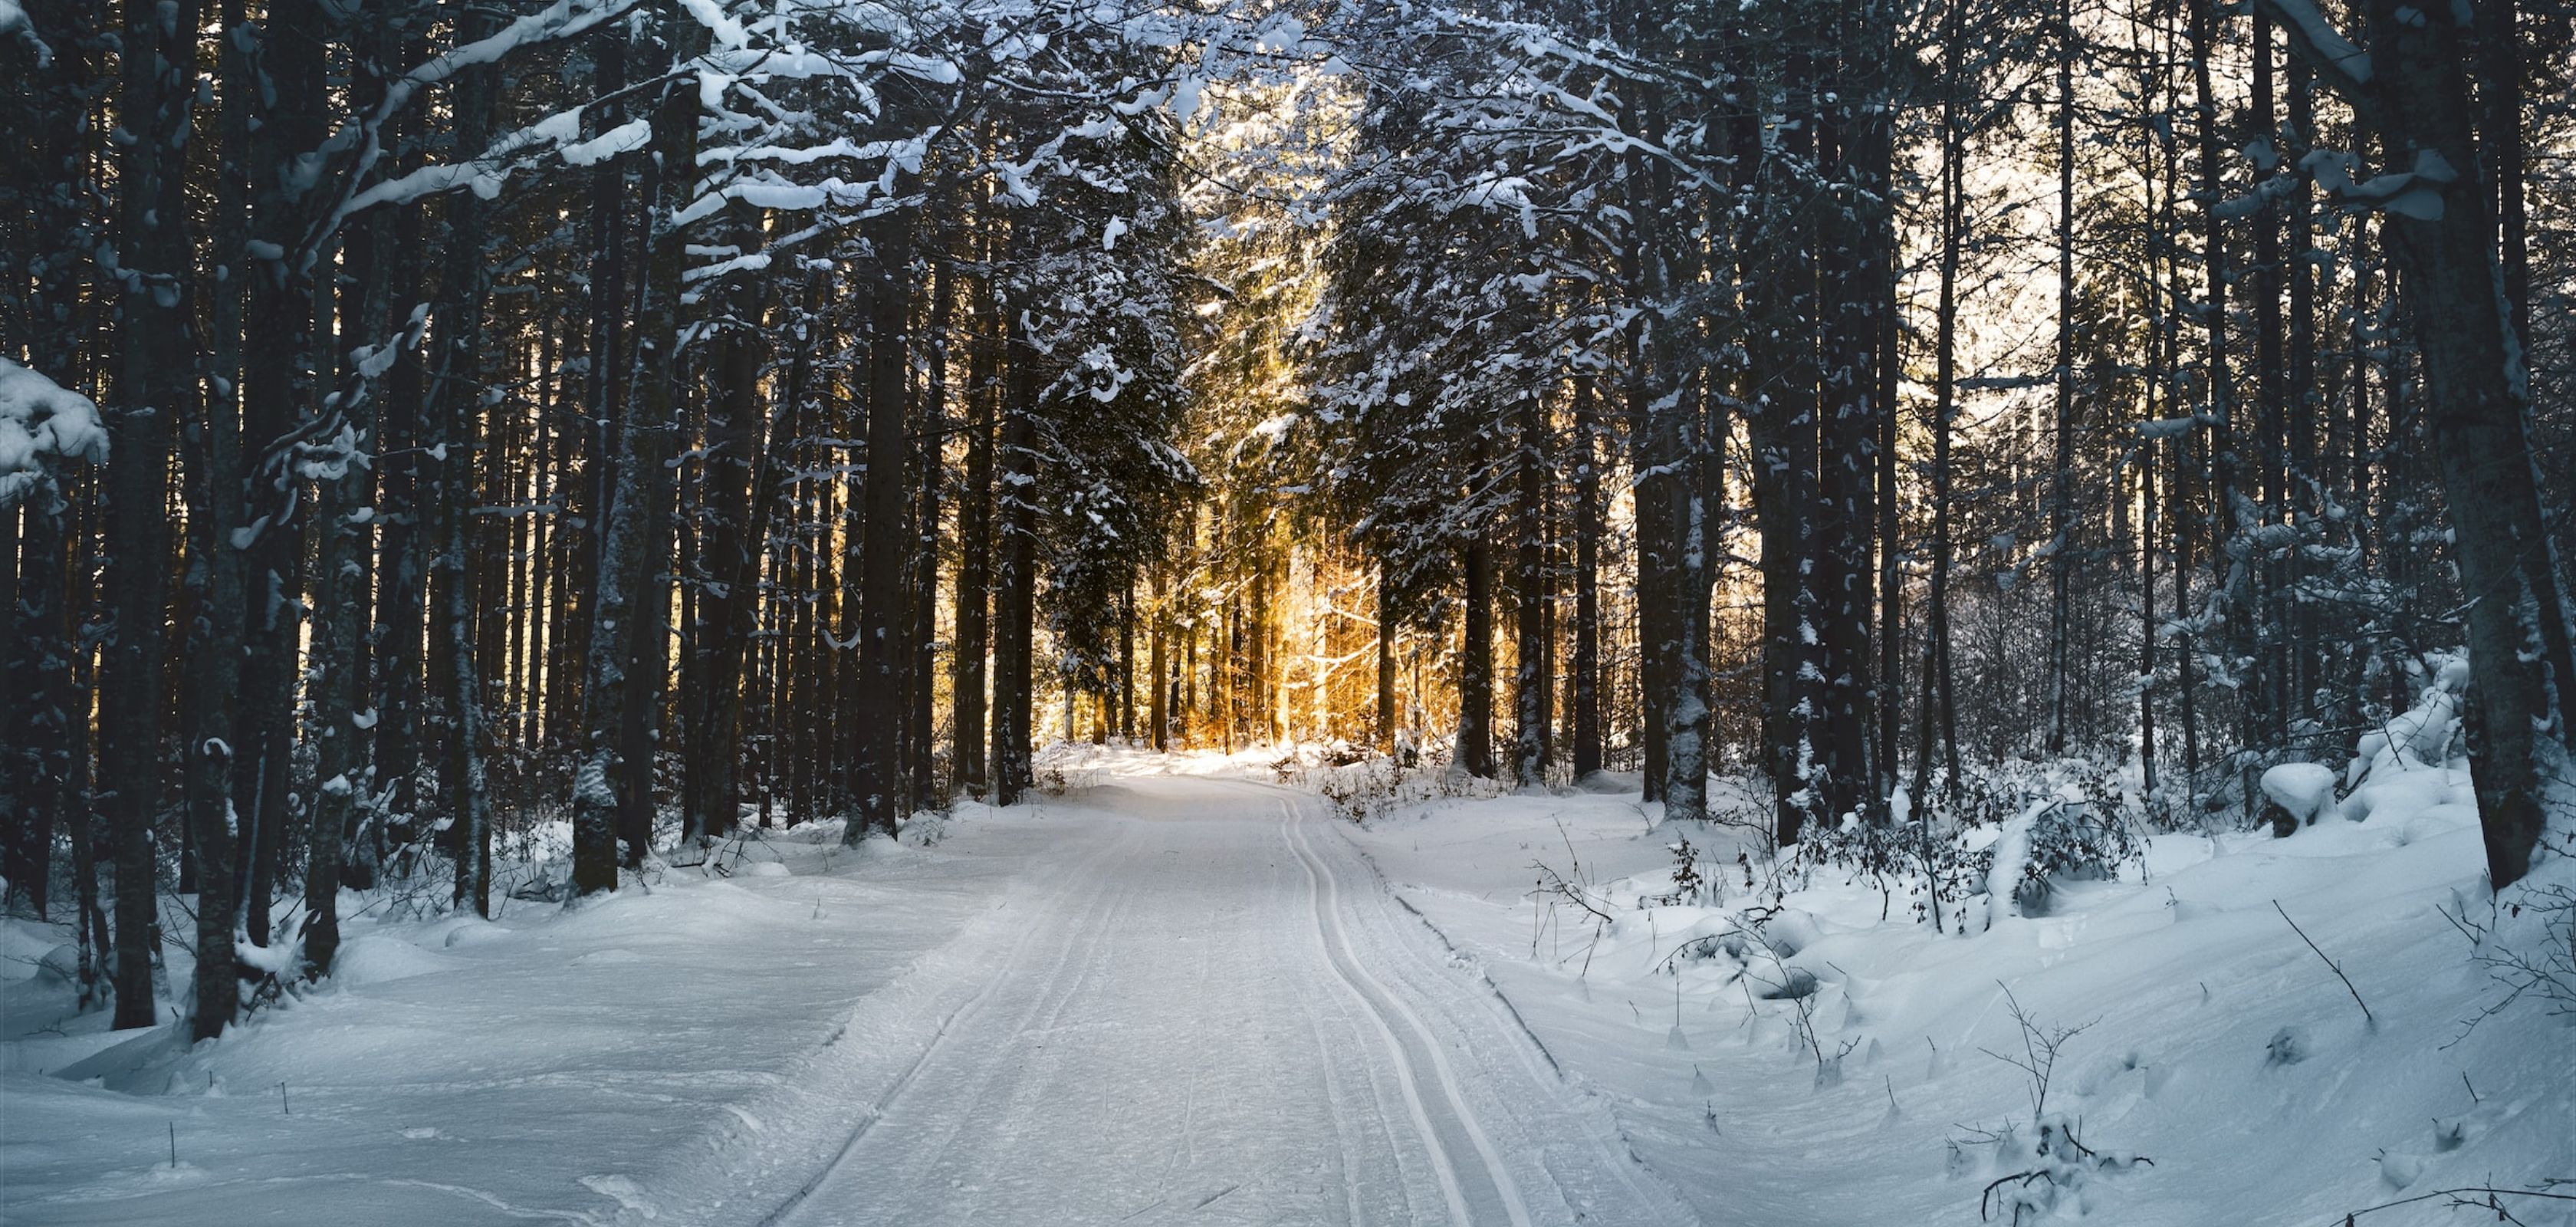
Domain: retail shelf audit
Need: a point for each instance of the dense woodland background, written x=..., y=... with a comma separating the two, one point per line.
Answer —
x=637, y=418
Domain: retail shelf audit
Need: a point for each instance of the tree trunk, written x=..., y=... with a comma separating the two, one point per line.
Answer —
x=731, y=520
x=2061, y=479
x=1939, y=705
x=1015, y=580
x=456, y=391
x=2477, y=408
x=932, y=474
x=1475, y=741
x=881, y=787
x=625, y=650
x=1532, y=684
x=157, y=353
x=1587, y=748
x=972, y=629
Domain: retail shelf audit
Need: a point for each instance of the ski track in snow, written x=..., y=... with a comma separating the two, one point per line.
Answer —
x=1219, y=1015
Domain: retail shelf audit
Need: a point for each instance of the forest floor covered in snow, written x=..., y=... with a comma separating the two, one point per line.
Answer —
x=1180, y=991
x=2206, y=1035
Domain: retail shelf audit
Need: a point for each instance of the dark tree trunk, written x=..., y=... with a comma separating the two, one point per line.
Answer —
x=2477, y=406
x=1847, y=465
x=931, y=471
x=881, y=786
x=1533, y=684
x=621, y=675
x=731, y=521
x=1587, y=747
x=973, y=623
x=1783, y=431
x=1015, y=578
x=456, y=391
x=1940, y=709
x=1475, y=741
x=2061, y=476
x=156, y=358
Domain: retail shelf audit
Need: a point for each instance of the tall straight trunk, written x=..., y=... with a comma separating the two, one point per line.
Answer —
x=765, y=651
x=2154, y=181
x=1783, y=430
x=401, y=599
x=2305, y=655
x=2061, y=482
x=1259, y=671
x=1475, y=738
x=972, y=624
x=931, y=466
x=658, y=369
x=1532, y=684
x=280, y=372
x=2266, y=693
x=1587, y=747
x=1127, y=661
x=621, y=670
x=1015, y=577
x=730, y=522
x=157, y=353
x=217, y=489
x=1654, y=454
x=1847, y=435
x=1158, y=636
x=606, y=371
x=456, y=392
x=2233, y=570
x=2506, y=158
x=1673, y=353
x=881, y=785
x=338, y=684
x=1891, y=554
x=2478, y=405
x=1384, y=717
x=1939, y=708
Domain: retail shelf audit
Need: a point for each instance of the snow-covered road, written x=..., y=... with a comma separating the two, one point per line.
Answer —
x=1159, y=998
x=1210, y=1010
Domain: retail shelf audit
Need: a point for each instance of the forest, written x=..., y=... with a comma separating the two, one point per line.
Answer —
x=475, y=451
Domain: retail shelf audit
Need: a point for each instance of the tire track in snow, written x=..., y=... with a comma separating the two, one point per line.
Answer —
x=1416, y=1054
x=966, y=1011
x=1647, y=1186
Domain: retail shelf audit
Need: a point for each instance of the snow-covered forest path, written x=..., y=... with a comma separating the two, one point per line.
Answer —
x=1210, y=1010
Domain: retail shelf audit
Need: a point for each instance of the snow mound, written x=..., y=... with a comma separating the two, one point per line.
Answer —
x=2305, y=790
x=24, y=946
x=375, y=959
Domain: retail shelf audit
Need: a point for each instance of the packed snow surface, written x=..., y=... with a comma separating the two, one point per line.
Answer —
x=1164, y=1000
x=1181, y=993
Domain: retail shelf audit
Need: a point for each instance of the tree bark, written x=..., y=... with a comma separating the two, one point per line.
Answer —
x=881, y=786
x=157, y=354
x=1587, y=747
x=1532, y=684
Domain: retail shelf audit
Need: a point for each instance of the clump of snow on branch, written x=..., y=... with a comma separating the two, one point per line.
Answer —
x=42, y=422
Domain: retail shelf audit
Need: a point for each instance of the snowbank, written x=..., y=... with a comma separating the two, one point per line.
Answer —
x=1796, y=1059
